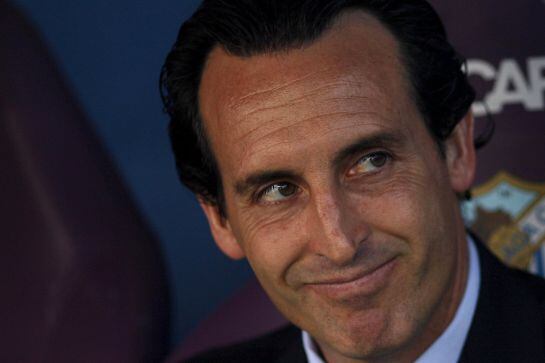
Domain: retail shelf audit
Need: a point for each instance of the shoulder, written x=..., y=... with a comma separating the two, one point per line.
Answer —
x=509, y=320
x=266, y=348
x=509, y=285
x=533, y=285
x=509, y=280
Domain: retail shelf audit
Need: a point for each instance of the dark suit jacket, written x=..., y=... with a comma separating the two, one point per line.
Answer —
x=508, y=326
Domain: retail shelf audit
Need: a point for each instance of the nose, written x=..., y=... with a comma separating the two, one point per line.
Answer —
x=337, y=226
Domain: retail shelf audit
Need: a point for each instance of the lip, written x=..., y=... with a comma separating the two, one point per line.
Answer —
x=364, y=284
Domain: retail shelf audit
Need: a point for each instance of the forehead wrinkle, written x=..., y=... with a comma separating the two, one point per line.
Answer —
x=271, y=123
x=311, y=94
x=370, y=127
x=294, y=126
x=263, y=92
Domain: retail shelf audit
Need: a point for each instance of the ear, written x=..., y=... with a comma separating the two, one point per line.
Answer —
x=460, y=155
x=221, y=231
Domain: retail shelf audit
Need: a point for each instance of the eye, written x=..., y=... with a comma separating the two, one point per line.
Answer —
x=277, y=192
x=369, y=163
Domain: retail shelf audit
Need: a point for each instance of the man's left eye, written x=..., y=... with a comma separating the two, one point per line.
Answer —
x=369, y=163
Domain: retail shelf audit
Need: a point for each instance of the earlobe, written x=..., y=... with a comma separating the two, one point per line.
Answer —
x=221, y=231
x=460, y=155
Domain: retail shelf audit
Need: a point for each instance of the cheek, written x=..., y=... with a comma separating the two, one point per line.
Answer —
x=410, y=206
x=272, y=244
x=398, y=203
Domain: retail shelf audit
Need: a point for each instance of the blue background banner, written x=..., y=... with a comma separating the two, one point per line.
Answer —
x=111, y=53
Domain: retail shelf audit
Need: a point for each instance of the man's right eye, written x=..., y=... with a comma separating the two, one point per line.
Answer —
x=277, y=192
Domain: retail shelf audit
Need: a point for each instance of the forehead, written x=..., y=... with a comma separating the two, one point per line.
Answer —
x=257, y=103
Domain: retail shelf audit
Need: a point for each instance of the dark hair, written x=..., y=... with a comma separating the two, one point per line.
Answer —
x=248, y=27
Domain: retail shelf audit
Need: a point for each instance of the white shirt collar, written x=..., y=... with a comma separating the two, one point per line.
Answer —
x=448, y=347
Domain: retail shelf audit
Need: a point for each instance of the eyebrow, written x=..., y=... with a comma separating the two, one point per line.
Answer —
x=383, y=139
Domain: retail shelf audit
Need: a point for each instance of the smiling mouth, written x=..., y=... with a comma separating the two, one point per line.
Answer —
x=360, y=285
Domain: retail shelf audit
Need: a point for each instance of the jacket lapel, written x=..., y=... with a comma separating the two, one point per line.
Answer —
x=509, y=322
x=293, y=352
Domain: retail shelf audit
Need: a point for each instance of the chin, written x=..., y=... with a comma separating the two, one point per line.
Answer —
x=369, y=337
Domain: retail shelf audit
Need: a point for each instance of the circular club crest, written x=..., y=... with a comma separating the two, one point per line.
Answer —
x=508, y=214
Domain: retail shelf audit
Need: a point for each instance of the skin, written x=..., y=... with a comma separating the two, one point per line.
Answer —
x=336, y=193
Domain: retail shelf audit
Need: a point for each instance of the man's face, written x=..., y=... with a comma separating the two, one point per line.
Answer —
x=335, y=191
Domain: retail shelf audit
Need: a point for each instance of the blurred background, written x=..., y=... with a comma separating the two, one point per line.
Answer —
x=110, y=54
